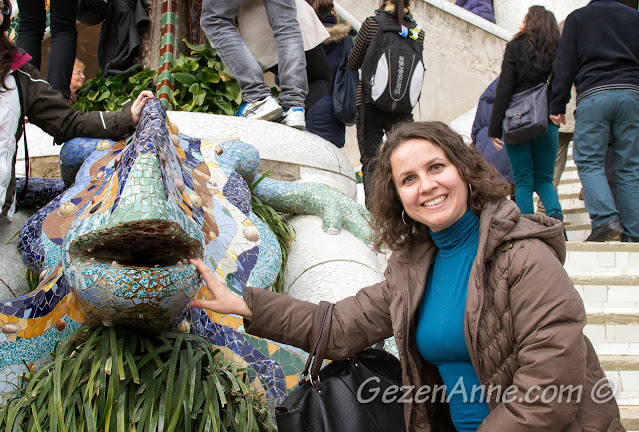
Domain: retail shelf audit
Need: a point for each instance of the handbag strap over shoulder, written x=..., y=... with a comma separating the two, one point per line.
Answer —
x=319, y=341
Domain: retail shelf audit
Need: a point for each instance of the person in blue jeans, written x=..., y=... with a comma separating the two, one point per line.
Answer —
x=217, y=21
x=599, y=53
x=64, y=37
x=528, y=62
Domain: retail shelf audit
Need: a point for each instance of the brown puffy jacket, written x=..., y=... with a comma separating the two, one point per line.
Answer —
x=523, y=324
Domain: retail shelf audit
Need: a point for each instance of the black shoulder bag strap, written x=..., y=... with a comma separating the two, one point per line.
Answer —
x=23, y=193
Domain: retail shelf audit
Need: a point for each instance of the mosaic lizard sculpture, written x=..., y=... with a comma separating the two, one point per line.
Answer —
x=112, y=249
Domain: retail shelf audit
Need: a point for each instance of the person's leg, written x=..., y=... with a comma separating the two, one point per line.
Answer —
x=520, y=157
x=562, y=156
x=609, y=169
x=592, y=130
x=217, y=23
x=282, y=16
x=64, y=39
x=625, y=131
x=544, y=155
x=370, y=133
x=33, y=19
x=560, y=164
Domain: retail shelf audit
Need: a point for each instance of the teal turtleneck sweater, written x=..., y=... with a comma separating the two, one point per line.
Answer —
x=440, y=320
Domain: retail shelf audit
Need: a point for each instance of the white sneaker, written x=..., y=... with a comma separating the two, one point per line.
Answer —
x=294, y=117
x=266, y=109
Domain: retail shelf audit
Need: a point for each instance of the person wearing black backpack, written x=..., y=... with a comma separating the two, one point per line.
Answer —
x=378, y=108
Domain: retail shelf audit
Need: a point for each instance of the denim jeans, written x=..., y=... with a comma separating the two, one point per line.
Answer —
x=64, y=37
x=598, y=116
x=533, y=167
x=217, y=22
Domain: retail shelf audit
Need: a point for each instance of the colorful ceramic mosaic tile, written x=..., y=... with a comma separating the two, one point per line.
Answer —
x=113, y=248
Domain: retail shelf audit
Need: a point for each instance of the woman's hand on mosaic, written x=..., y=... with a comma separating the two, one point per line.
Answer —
x=223, y=300
x=499, y=144
x=138, y=104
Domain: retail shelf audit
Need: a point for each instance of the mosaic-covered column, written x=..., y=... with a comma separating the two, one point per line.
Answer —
x=165, y=88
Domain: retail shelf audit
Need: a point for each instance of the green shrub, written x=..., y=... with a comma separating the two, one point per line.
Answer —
x=113, y=379
x=203, y=83
x=109, y=93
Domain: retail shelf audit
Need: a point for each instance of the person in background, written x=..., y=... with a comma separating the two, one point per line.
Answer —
x=24, y=93
x=217, y=21
x=64, y=38
x=528, y=62
x=482, y=8
x=371, y=121
x=479, y=133
x=599, y=53
x=320, y=118
x=475, y=294
x=77, y=79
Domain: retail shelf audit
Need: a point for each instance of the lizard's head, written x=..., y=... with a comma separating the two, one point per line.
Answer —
x=126, y=252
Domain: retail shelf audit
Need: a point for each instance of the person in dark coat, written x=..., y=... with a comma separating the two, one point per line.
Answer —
x=483, y=8
x=320, y=118
x=479, y=135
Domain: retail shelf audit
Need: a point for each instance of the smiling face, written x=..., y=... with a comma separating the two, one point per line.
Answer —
x=77, y=79
x=428, y=184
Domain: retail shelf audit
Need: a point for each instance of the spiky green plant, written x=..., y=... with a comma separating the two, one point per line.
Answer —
x=114, y=379
x=281, y=227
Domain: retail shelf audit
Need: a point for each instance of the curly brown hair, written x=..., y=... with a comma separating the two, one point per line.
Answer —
x=542, y=34
x=386, y=207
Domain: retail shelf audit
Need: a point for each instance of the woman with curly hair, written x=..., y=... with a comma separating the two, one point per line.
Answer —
x=528, y=62
x=474, y=293
x=23, y=92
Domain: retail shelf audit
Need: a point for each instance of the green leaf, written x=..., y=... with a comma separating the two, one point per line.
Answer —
x=208, y=75
x=185, y=79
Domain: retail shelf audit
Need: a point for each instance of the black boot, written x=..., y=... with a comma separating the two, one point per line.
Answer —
x=611, y=230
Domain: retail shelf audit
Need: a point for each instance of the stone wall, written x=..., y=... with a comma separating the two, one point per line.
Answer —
x=509, y=13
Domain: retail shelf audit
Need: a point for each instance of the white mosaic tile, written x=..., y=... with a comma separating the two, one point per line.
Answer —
x=316, y=257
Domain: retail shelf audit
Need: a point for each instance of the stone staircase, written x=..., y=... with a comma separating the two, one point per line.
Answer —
x=606, y=275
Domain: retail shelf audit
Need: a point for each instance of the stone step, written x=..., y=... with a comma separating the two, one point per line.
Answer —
x=630, y=417
x=567, y=201
x=606, y=275
x=578, y=232
x=609, y=263
x=607, y=298
x=623, y=374
x=569, y=176
x=576, y=217
x=613, y=334
x=569, y=188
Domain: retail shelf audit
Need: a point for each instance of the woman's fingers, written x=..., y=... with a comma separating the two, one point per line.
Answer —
x=499, y=144
x=222, y=299
x=138, y=104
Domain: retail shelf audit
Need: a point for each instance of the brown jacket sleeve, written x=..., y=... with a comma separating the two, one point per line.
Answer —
x=358, y=322
x=548, y=318
x=49, y=110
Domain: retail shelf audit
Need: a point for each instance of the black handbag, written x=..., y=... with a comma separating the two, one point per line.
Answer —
x=347, y=395
x=527, y=115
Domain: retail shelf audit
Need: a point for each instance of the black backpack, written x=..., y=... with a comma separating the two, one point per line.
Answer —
x=393, y=68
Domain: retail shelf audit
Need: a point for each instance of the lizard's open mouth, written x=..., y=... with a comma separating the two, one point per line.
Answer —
x=146, y=243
